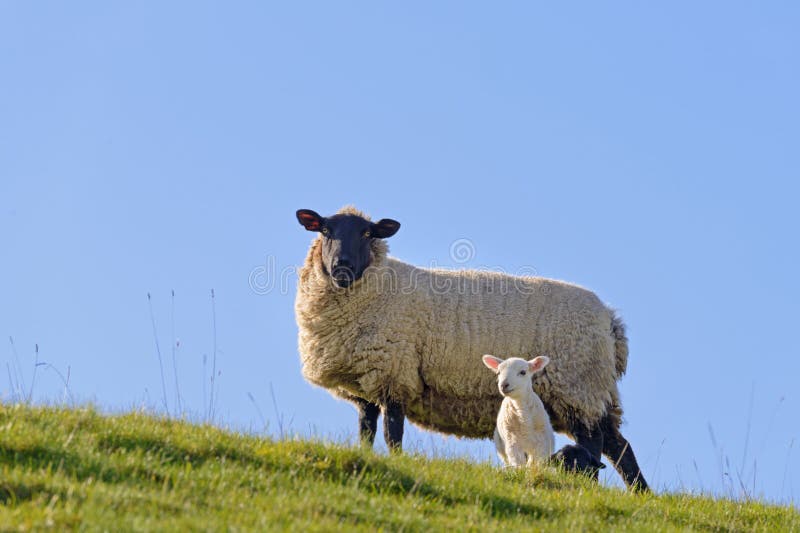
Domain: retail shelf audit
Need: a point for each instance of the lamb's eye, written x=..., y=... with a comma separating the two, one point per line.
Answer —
x=367, y=233
x=521, y=372
x=325, y=231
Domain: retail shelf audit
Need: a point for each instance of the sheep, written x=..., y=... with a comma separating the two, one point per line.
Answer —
x=577, y=459
x=384, y=334
x=523, y=433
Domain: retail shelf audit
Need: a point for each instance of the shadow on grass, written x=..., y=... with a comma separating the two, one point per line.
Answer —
x=337, y=465
x=348, y=466
x=14, y=493
x=173, y=453
x=81, y=467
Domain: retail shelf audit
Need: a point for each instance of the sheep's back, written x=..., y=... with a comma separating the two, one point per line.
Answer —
x=508, y=316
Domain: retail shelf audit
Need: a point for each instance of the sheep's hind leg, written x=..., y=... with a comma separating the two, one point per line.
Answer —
x=393, y=419
x=591, y=439
x=367, y=420
x=621, y=455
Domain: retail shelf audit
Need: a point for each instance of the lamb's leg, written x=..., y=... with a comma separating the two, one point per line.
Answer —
x=516, y=457
x=500, y=446
x=621, y=455
x=393, y=418
x=367, y=420
x=591, y=439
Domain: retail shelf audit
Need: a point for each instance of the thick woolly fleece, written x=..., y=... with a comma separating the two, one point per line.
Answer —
x=415, y=336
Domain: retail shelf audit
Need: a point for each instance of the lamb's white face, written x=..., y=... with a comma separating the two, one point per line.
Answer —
x=514, y=375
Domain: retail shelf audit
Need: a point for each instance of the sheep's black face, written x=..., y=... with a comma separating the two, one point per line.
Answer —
x=346, y=242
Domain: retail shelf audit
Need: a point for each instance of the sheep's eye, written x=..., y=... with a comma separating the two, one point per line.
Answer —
x=521, y=372
x=325, y=231
x=367, y=233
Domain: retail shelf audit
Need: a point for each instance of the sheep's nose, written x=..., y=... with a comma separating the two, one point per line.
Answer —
x=343, y=273
x=344, y=262
x=504, y=386
x=343, y=268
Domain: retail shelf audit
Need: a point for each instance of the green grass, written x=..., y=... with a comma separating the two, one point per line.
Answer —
x=79, y=469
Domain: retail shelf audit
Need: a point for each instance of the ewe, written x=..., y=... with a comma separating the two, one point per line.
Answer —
x=384, y=334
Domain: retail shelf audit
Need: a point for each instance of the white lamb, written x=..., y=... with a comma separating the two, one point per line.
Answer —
x=523, y=434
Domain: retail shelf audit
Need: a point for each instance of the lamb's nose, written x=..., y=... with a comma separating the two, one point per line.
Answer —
x=504, y=385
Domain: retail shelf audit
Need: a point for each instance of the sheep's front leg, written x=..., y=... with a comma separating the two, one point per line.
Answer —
x=393, y=419
x=367, y=420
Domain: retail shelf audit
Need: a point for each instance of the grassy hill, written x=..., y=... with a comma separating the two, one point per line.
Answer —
x=76, y=468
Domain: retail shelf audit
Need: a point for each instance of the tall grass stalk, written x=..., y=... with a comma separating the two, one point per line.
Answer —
x=35, y=368
x=158, y=351
x=213, y=356
x=174, y=358
x=19, y=377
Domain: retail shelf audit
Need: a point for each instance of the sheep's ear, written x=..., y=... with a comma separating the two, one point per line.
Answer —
x=311, y=220
x=538, y=363
x=384, y=228
x=492, y=362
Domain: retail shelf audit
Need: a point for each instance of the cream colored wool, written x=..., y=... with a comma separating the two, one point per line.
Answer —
x=415, y=336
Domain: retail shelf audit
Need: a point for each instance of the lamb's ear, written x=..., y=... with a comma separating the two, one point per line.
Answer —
x=492, y=362
x=538, y=363
x=311, y=220
x=384, y=228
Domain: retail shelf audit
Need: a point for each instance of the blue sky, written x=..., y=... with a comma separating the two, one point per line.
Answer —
x=647, y=152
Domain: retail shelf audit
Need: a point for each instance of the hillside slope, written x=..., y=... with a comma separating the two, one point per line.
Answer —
x=77, y=468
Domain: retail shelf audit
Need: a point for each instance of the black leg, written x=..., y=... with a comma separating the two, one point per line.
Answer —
x=621, y=455
x=367, y=420
x=591, y=439
x=393, y=419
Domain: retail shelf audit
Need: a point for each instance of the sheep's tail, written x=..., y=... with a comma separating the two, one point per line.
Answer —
x=620, y=345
